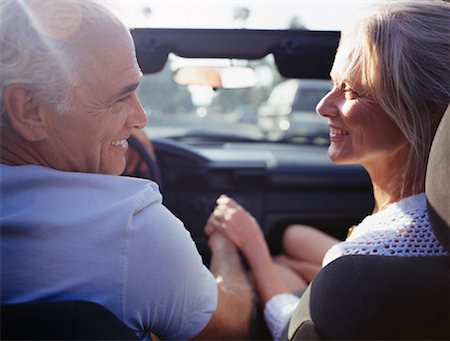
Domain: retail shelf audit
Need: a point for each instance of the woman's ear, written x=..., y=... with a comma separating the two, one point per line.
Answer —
x=22, y=108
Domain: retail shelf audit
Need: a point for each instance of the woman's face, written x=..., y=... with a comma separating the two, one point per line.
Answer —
x=360, y=131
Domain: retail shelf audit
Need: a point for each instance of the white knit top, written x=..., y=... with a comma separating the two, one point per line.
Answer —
x=401, y=229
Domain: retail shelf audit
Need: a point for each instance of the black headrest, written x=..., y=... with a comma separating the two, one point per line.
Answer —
x=437, y=185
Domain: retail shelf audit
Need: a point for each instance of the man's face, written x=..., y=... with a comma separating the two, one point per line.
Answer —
x=91, y=135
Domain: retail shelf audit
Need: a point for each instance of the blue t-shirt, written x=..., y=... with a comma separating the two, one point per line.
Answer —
x=106, y=239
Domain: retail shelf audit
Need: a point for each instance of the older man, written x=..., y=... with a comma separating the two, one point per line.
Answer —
x=70, y=227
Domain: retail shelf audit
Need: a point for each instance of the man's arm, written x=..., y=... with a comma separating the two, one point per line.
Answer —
x=231, y=320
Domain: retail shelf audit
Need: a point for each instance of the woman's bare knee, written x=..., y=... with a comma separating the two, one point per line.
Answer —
x=295, y=236
x=306, y=243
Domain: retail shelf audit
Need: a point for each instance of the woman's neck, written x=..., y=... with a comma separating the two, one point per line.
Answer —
x=386, y=195
x=388, y=181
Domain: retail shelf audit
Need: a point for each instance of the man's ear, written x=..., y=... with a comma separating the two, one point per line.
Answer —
x=22, y=107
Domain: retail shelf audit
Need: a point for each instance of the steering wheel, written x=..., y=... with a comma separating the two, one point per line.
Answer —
x=153, y=172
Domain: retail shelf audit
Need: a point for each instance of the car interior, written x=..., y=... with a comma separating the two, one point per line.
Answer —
x=280, y=183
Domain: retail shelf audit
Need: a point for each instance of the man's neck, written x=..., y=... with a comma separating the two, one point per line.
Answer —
x=15, y=151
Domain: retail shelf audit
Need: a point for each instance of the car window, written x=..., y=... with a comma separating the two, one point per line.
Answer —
x=174, y=108
x=260, y=112
x=283, y=93
x=308, y=94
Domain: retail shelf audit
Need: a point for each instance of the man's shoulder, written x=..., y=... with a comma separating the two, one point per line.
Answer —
x=31, y=176
x=41, y=189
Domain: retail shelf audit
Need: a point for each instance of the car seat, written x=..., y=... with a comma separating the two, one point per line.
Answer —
x=62, y=320
x=382, y=297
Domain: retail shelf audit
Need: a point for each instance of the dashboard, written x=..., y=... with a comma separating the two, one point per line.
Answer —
x=279, y=183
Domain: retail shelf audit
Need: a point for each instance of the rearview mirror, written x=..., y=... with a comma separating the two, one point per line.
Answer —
x=232, y=77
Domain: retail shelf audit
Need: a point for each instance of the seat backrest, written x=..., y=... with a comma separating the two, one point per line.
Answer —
x=62, y=320
x=437, y=184
x=381, y=297
x=377, y=298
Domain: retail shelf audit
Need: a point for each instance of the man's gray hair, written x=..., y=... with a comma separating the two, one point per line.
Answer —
x=38, y=46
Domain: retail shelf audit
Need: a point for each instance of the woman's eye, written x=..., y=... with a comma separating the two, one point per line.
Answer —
x=350, y=94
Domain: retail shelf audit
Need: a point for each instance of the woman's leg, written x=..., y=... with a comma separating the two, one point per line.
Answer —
x=292, y=279
x=303, y=250
x=306, y=270
x=306, y=243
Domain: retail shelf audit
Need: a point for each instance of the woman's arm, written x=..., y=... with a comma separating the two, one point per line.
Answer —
x=244, y=231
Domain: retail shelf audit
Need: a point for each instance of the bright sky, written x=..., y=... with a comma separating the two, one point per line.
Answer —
x=314, y=14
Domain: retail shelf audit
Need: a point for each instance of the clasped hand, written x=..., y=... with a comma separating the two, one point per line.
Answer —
x=232, y=220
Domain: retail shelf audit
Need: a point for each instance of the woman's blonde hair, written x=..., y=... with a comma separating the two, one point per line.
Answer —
x=402, y=53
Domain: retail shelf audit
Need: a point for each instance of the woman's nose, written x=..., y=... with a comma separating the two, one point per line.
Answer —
x=327, y=106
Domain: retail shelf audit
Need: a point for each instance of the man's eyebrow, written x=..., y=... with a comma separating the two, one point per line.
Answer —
x=126, y=90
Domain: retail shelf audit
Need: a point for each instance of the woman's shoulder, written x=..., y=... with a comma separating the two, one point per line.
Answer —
x=396, y=215
x=403, y=229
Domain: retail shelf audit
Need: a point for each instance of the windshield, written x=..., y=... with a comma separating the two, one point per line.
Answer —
x=174, y=109
x=273, y=108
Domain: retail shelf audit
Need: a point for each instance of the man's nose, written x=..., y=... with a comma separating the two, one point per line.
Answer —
x=138, y=118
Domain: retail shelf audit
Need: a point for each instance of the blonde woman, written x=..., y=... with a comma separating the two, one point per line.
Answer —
x=391, y=88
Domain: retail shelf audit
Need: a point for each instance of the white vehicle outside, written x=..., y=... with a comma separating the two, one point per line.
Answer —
x=289, y=112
